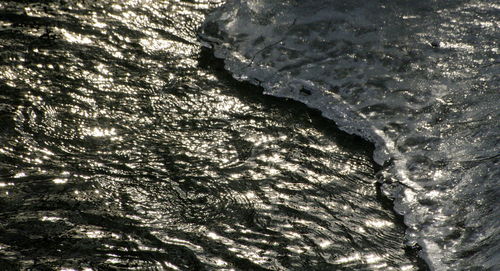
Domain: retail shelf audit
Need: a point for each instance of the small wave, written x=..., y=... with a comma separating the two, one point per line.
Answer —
x=419, y=80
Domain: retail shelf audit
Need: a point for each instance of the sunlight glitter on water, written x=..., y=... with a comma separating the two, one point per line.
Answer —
x=128, y=152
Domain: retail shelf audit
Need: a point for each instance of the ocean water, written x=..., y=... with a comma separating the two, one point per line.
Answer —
x=419, y=79
x=325, y=135
x=125, y=145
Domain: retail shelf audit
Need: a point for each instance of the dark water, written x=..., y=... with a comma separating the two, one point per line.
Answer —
x=125, y=146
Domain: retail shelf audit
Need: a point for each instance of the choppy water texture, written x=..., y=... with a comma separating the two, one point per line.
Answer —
x=420, y=79
x=124, y=146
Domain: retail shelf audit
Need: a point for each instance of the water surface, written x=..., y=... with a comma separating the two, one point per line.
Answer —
x=418, y=79
x=125, y=146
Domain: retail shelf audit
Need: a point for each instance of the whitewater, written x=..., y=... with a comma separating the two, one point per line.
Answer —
x=420, y=80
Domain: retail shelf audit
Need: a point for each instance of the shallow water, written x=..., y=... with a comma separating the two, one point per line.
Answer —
x=419, y=80
x=125, y=146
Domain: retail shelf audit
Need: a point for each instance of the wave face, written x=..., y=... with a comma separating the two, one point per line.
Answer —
x=418, y=79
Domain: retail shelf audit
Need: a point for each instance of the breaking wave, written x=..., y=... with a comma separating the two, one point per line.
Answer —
x=418, y=79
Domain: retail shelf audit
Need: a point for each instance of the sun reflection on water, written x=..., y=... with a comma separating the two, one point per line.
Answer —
x=132, y=155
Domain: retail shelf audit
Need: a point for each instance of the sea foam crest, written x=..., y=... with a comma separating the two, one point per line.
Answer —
x=419, y=80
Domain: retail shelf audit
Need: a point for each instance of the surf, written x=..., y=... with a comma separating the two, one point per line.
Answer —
x=419, y=80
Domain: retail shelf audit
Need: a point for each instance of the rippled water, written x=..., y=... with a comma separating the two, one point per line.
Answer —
x=419, y=79
x=125, y=146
